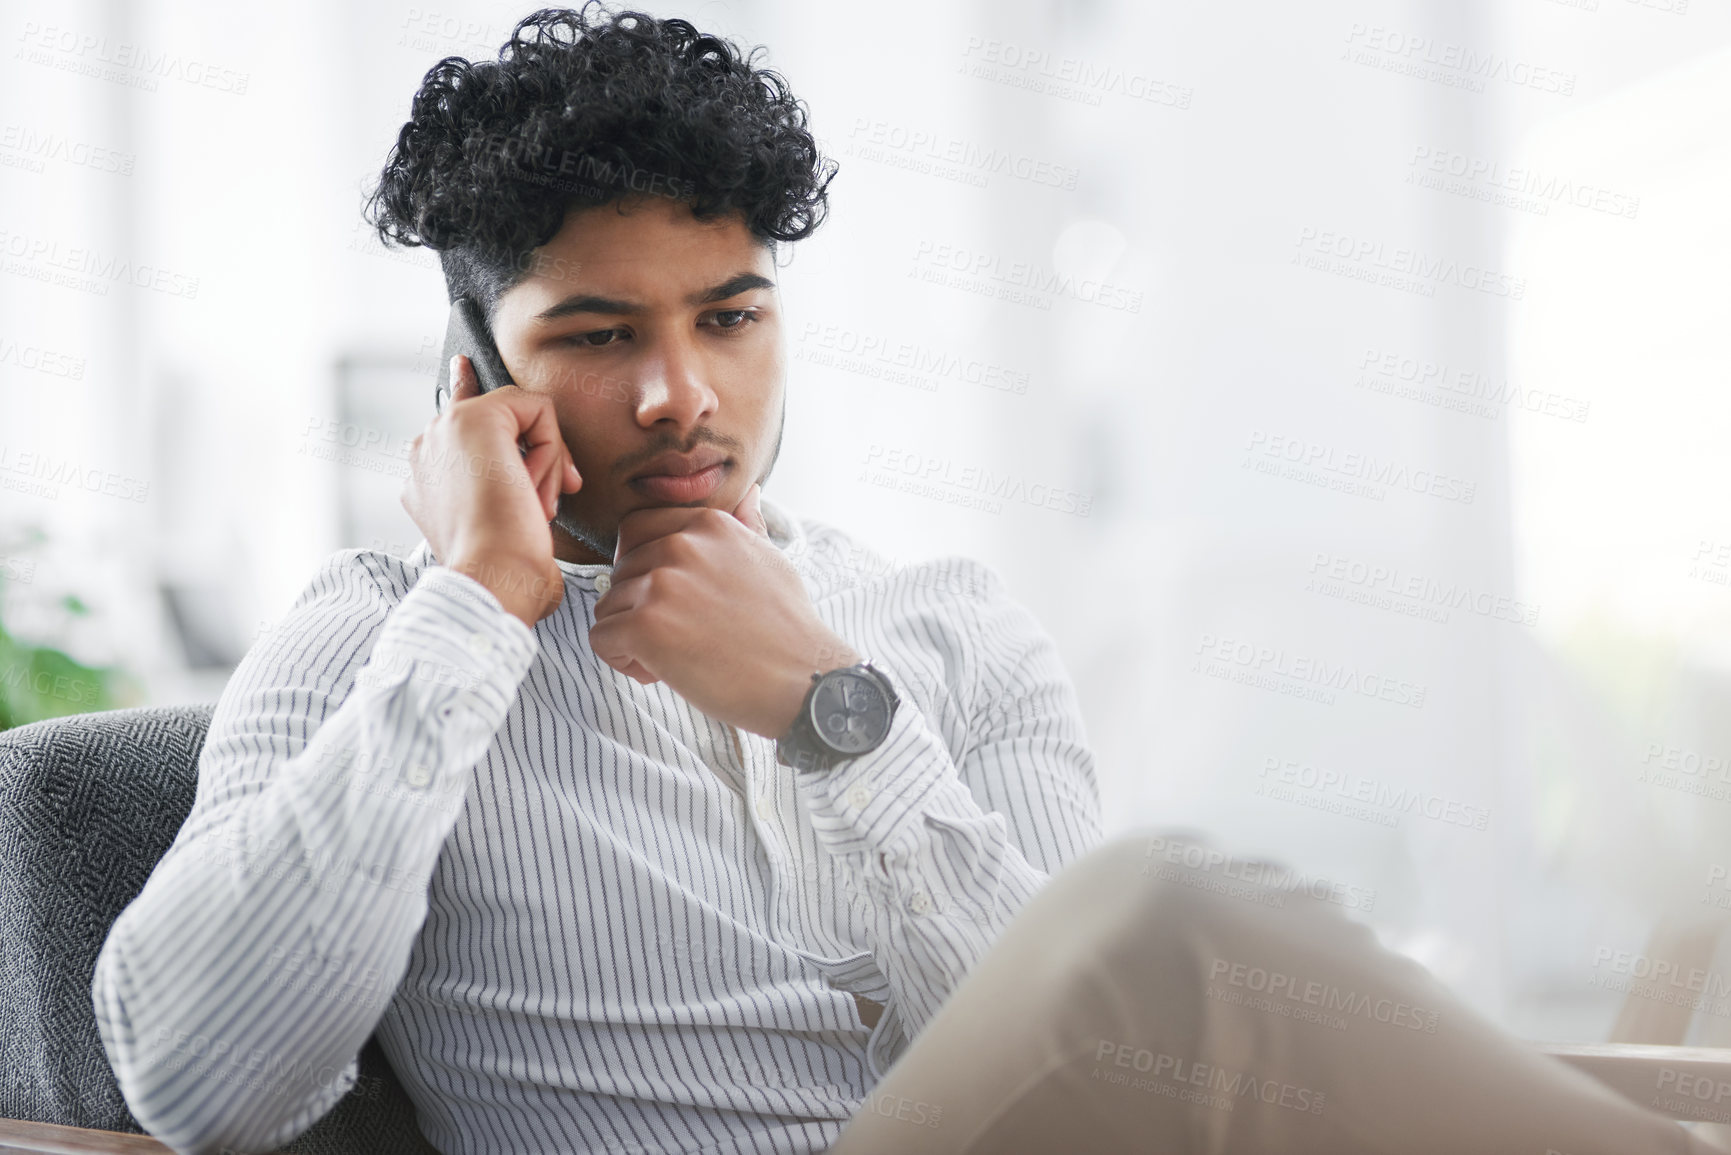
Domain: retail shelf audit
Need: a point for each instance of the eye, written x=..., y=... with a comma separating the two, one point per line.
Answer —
x=597, y=338
x=729, y=320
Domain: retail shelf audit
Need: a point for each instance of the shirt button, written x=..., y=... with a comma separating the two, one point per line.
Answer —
x=480, y=645
x=603, y=583
x=920, y=903
x=764, y=810
x=859, y=797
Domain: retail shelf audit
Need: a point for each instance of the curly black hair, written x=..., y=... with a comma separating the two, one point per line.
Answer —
x=583, y=108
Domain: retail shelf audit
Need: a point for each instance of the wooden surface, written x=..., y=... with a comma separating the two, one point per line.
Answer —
x=1668, y=1079
x=1682, y=1082
x=46, y=1137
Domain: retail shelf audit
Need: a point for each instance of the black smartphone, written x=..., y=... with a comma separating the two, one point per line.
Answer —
x=466, y=332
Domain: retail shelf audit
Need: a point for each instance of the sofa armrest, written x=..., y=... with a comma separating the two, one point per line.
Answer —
x=19, y=1136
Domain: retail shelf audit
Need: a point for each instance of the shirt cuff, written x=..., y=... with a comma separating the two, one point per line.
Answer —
x=875, y=802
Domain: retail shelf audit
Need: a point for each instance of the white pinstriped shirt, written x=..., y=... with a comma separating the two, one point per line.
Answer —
x=580, y=914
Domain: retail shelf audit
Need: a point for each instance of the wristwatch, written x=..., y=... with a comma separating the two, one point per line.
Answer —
x=846, y=713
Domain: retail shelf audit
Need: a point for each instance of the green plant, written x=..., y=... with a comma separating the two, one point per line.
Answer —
x=39, y=681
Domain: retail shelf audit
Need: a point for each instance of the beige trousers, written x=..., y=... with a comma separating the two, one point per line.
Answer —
x=1158, y=996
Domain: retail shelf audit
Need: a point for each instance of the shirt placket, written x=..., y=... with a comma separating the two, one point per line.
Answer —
x=758, y=785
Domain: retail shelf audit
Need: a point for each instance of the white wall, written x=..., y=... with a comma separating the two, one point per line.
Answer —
x=1235, y=173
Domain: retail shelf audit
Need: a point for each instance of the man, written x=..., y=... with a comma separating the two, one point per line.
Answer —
x=635, y=814
x=514, y=801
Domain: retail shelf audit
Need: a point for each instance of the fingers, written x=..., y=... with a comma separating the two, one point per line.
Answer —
x=464, y=383
x=610, y=636
x=642, y=526
x=625, y=594
x=610, y=647
x=672, y=550
x=536, y=423
x=748, y=511
x=544, y=468
x=545, y=456
x=551, y=472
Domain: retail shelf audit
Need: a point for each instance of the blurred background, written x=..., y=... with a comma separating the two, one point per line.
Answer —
x=1344, y=385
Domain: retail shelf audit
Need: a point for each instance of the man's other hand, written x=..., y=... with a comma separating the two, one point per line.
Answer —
x=704, y=601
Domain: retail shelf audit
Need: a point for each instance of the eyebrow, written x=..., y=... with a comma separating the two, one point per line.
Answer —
x=590, y=303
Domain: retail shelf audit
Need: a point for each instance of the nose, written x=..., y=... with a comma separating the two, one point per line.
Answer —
x=674, y=386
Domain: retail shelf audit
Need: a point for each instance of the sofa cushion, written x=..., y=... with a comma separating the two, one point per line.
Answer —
x=88, y=804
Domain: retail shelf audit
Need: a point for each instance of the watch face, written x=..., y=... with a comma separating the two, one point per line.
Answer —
x=850, y=712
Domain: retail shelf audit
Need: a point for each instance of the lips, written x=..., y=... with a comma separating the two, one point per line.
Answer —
x=681, y=477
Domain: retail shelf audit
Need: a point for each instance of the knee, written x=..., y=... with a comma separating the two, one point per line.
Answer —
x=1153, y=870
x=1138, y=894
x=1162, y=894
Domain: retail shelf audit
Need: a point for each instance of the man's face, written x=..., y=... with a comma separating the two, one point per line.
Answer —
x=658, y=338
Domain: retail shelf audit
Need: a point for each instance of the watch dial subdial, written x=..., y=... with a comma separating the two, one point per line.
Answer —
x=850, y=713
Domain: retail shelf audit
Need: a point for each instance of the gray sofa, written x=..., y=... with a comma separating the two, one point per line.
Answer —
x=88, y=804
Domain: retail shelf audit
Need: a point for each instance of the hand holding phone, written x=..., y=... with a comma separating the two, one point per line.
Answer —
x=466, y=332
x=484, y=508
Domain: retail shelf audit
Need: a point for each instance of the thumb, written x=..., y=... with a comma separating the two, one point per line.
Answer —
x=464, y=383
x=749, y=512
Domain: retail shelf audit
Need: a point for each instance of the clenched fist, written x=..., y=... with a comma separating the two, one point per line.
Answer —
x=704, y=601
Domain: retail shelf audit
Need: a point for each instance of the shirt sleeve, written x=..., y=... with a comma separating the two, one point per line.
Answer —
x=234, y=993
x=946, y=848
